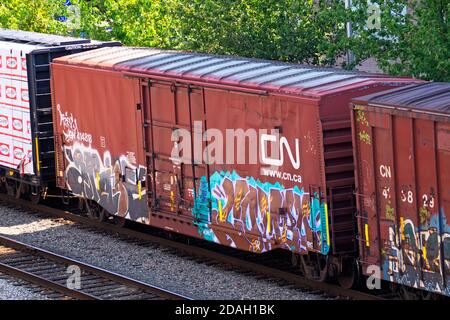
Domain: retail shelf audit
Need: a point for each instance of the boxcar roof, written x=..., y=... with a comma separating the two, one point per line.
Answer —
x=6, y=45
x=433, y=97
x=250, y=73
x=38, y=38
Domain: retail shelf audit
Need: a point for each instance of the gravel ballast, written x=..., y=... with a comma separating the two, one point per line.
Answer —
x=10, y=289
x=156, y=266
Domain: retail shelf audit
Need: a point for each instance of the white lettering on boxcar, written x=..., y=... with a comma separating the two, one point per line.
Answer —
x=70, y=128
x=282, y=143
x=385, y=171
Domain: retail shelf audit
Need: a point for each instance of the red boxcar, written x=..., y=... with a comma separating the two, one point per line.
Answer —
x=402, y=152
x=121, y=112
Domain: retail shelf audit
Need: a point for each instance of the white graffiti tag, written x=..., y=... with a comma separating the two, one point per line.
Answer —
x=70, y=128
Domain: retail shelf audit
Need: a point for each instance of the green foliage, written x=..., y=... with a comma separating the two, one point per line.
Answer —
x=133, y=22
x=414, y=38
x=306, y=31
x=32, y=15
x=289, y=30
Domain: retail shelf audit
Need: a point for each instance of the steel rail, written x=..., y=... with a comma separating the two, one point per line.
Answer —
x=114, y=278
x=193, y=250
x=46, y=283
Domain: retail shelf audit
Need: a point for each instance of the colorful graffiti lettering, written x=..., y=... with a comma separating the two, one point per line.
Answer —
x=117, y=186
x=259, y=216
x=413, y=255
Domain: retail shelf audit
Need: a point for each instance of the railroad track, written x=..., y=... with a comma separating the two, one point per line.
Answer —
x=53, y=271
x=205, y=252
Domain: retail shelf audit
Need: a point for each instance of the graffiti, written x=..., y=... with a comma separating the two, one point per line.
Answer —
x=390, y=211
x=116, y=186
x=70, y=128
x=423, y=215
x=257, y=216
x=412, y=256
x=362, y=120
x=361, y=117
x=365, y=137
x=26, y=163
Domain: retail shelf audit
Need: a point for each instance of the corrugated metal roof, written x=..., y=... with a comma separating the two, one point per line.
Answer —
x=433, y=96
x=227, y=70
x=4, y=45
x=39, y=38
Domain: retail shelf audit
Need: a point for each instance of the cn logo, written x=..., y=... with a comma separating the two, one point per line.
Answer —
x=283, y=144
x=385, y=171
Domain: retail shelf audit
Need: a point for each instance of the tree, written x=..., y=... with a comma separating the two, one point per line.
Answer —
x=423, y=46
x=33, y=15
x=410, y=42
x=134, y=22
x=290, y=30
x=413, y=37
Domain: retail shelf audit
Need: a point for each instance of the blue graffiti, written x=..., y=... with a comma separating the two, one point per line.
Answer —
x=231, y=190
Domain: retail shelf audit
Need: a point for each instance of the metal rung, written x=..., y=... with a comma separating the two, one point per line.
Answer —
x=47, y=155
x=163, y=171
x=44, y=110
x=170, y=126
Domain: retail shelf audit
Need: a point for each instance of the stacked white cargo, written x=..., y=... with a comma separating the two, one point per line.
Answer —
x=15, y=127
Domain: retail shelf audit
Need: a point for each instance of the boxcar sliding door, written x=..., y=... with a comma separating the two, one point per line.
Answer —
x=174, y=119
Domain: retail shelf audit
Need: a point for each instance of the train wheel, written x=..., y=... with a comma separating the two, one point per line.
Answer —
x=349, y=276
x=408, y=293
x=3, y=184
x=294, y=260
x=120, y=221
x=103, y=215
x=35, y=195
x=90, y=209
x=11, y=187
x=427, y=295
x=314, y=267
x=82, y=207
x=95, y=211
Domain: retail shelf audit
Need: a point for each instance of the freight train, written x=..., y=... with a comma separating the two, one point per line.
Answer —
x=253, y=154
